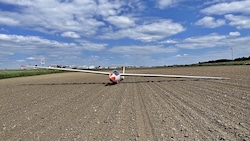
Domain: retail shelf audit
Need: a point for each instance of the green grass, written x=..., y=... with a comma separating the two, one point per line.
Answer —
x=21, y=73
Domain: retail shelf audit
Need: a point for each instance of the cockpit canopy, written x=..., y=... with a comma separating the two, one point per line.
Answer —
x=116, y=72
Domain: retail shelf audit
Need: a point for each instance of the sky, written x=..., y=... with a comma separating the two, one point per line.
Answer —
x=122, y=32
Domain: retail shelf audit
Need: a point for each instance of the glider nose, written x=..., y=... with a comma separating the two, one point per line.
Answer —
x=112, y=77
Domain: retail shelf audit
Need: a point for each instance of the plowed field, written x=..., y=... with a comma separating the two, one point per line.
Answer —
x=79, y=106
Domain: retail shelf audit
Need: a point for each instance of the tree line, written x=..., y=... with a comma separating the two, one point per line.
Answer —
x=226, y=60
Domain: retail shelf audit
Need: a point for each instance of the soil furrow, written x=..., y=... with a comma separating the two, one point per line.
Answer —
x=143, y=102
x=184, y=114
x=39, y=117
x=77, y=106
x=204, y=110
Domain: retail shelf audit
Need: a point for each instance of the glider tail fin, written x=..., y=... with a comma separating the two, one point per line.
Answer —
x=123, y=70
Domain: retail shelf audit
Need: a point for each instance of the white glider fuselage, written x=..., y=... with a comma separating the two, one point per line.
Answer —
x=115, y=76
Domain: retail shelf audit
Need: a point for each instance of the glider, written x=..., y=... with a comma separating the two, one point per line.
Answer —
x=115, y=76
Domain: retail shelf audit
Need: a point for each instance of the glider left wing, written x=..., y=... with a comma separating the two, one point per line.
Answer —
x=74, y=70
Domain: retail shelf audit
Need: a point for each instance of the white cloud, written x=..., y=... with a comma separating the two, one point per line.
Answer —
x=210, y=22
x=240, y=22
x=77, y=19
x=5, y=52
x=94, y=57
x=92, y=46
x=166, y=3
x=8, y=21
x=234, y=33
x=31, y=45
x=229, y=7
x=54, y=16
x=169, y=41
x=37, y=47
x=108, y=8
x=70, y=34
x=218, y=41
x=236, y=14
x=208, y=41
x=31, y=58
x=148, y=32
x=20, y=61
x=121, y=21
x=85, y=18
x=181, y=55
x=34, y=45
x=216, y=1
x=142, y=49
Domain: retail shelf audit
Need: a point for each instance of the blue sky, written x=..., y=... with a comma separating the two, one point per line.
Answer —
x=122, y=32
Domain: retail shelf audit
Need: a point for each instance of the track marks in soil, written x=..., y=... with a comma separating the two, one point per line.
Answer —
x=75, y=106
x=216, y=118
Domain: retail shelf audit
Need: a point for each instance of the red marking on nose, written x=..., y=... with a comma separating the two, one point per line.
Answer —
x=112, y=78
x=110, y=74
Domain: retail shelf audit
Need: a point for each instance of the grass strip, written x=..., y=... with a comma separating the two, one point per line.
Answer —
x=4, y=74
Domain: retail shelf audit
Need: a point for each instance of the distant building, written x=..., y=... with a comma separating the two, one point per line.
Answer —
x=92, y=67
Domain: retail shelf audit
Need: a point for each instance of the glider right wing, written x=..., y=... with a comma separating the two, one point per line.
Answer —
x=173, y=76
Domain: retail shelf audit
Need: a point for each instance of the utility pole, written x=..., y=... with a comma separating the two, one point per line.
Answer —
x=232, y=52
x=42, y=61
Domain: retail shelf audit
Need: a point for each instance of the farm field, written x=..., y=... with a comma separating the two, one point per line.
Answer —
x=80, y=106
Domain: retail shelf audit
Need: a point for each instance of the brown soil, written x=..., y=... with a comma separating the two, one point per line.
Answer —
x=79, y=106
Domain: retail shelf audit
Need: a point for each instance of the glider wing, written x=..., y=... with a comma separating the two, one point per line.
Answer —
x=74, y=70
x=173, y=76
